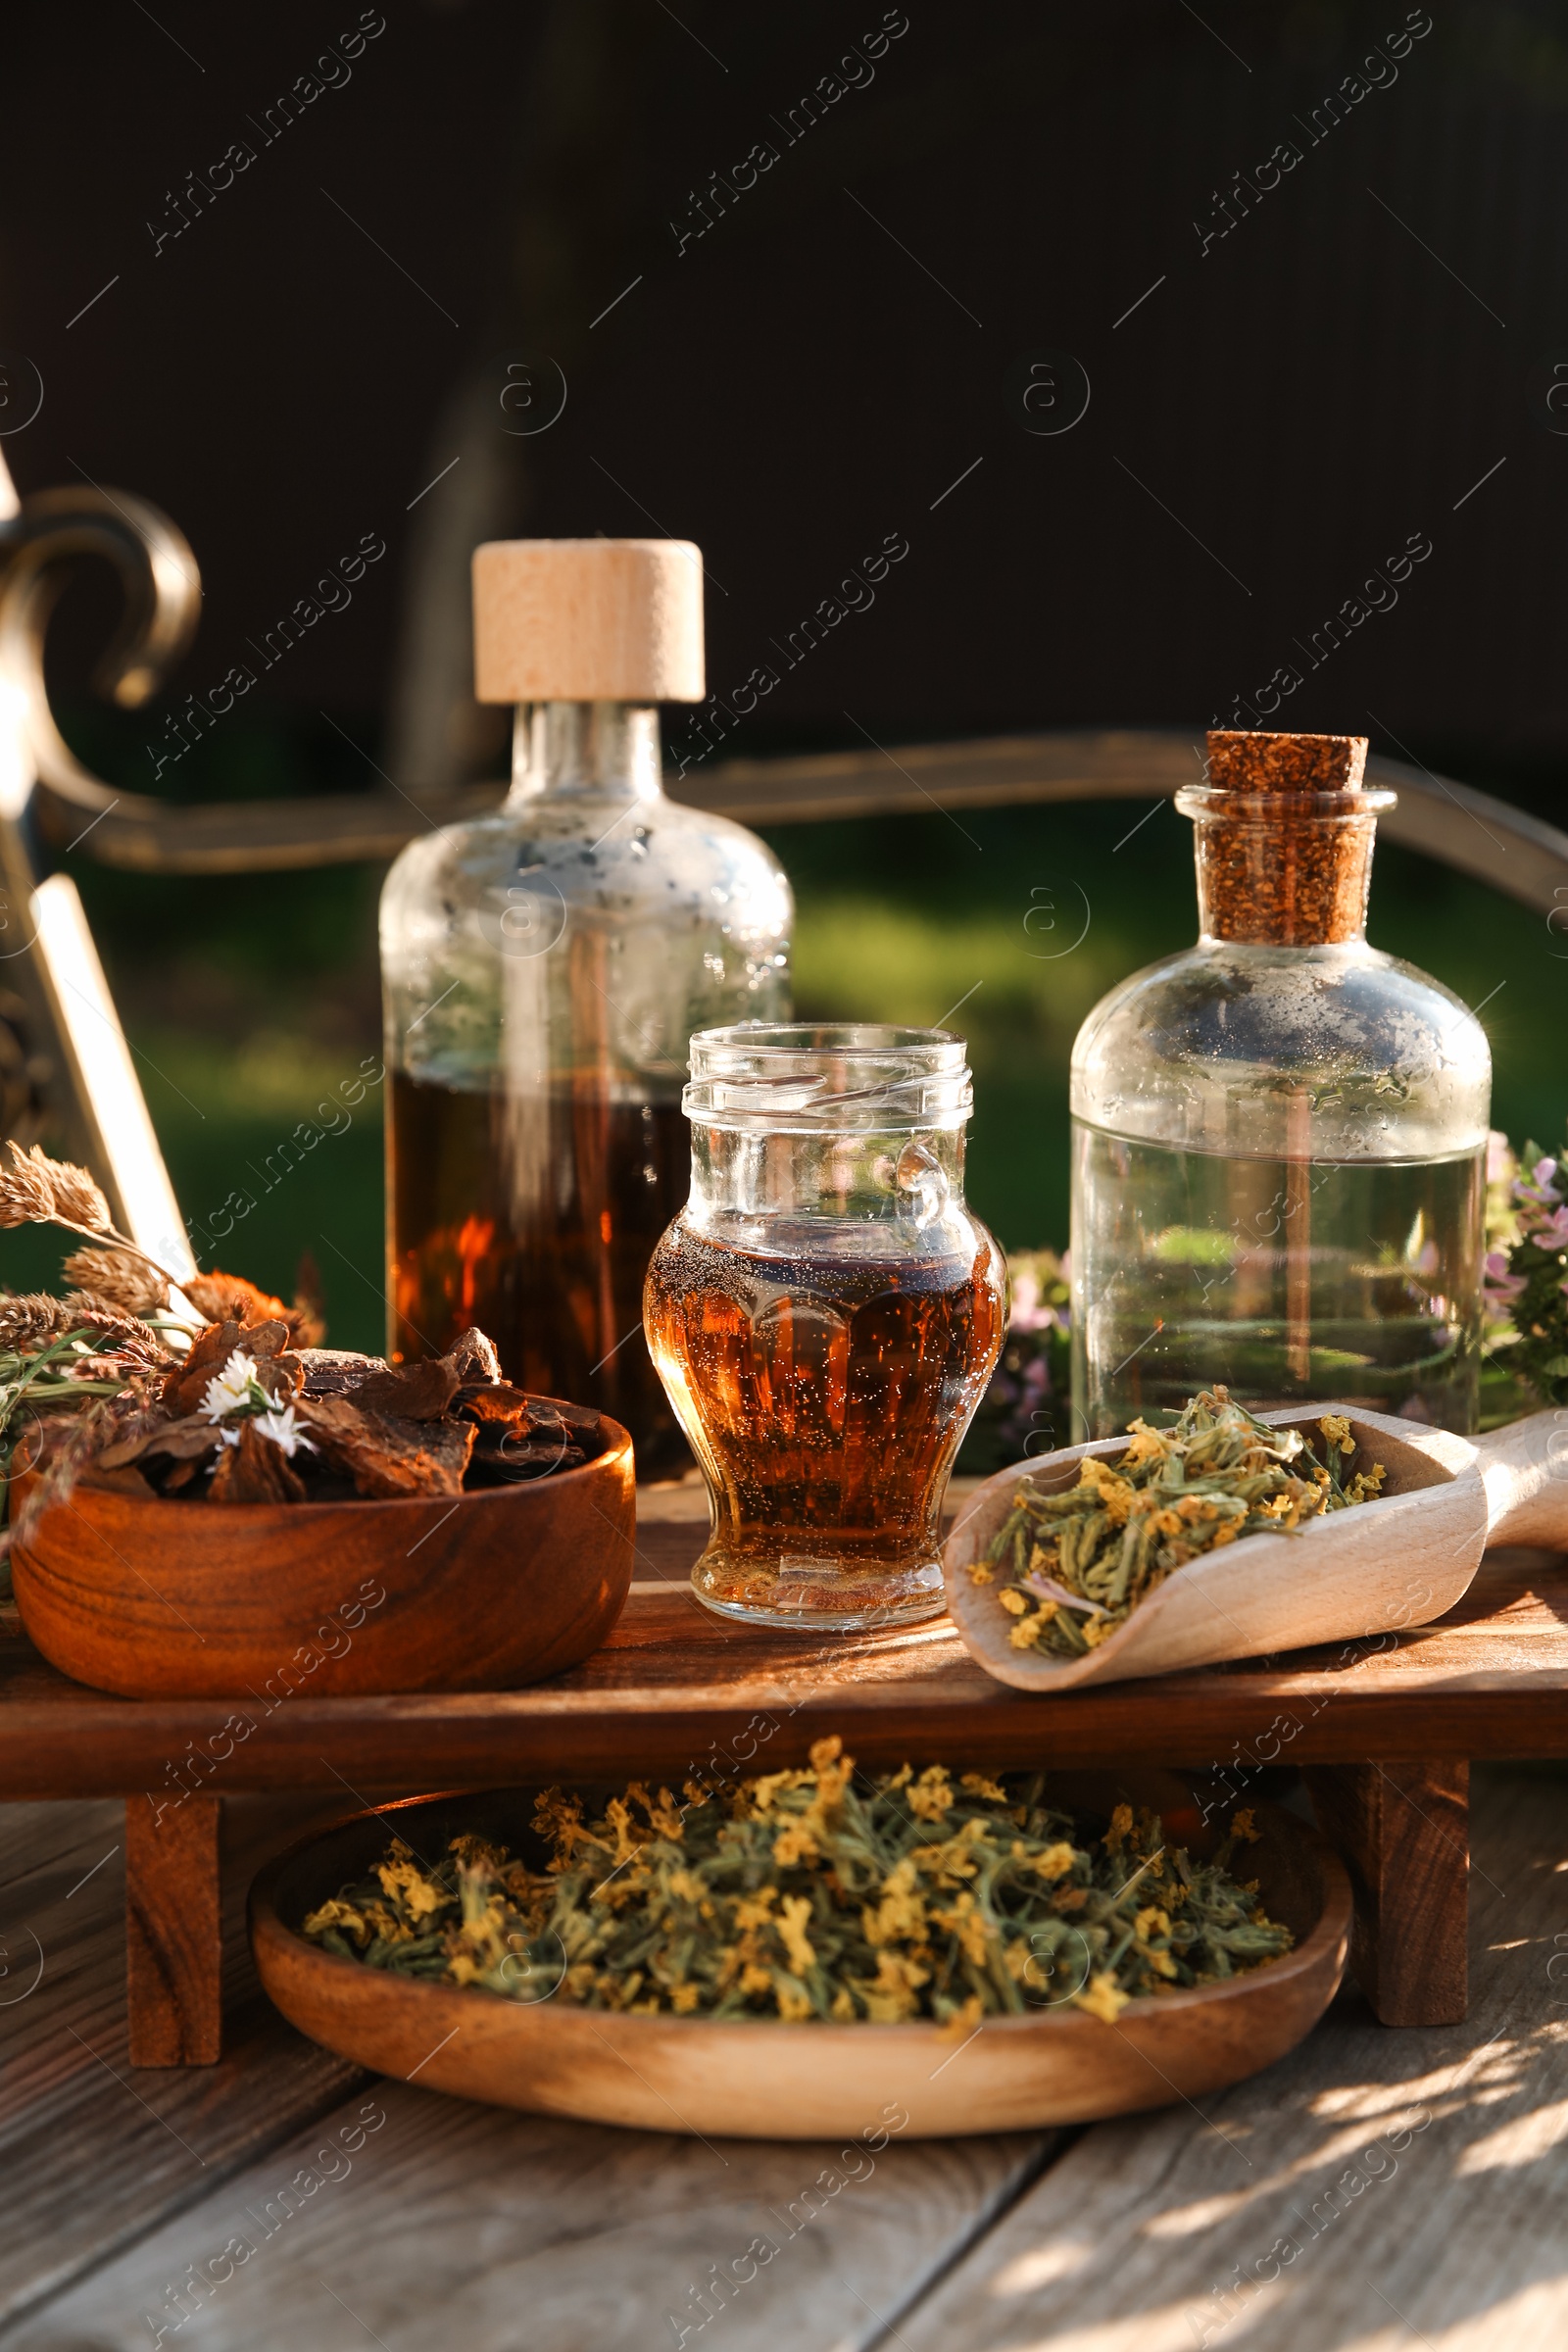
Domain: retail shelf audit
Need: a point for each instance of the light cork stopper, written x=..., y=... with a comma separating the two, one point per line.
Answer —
x=1277, y=865
x=588, y=620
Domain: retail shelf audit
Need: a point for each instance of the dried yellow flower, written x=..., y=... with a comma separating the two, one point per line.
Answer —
x=1114, y=1492
x=1102, y=1998
x=962, y=1920
x=402, y=1877
x=1120, y=1830
x=794, y=1913
x=901, y=1913
x=793, y=1845
x=895, y=1994
x=341, y=1915
x=1055, y=1861
x=931, y=1795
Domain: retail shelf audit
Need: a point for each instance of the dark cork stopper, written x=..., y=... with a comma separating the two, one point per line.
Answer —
x=1284, y=868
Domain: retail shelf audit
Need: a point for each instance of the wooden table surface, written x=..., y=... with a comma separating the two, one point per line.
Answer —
x=1372, y=2192
x=675, y=1689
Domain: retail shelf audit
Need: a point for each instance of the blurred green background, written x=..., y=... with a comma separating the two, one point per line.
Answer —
x=250, y=1001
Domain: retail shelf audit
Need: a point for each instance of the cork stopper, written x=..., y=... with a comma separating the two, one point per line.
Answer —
x=1285, y=836
x=1245, y=762
x=588, y=620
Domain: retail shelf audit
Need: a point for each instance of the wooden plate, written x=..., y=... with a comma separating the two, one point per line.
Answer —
x=757, y=2079
x=481, y=1591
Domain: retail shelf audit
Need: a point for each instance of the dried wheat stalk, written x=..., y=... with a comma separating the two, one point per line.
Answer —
x=36, y=1190
x=113, y=1276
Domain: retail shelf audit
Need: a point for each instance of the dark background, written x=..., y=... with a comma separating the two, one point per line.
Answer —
x=818, y=369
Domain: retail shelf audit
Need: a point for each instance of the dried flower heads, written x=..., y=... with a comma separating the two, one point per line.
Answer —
x=35, y=1189
x=817, y=1895
x=1071, y=1565
x=128, y=1282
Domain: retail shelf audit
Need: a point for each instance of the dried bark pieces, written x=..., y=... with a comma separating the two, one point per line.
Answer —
x=472, y=1356
x=278, y=1368
x=421, y=1392
x=336, y=1371
x=230, y=1299
x=360, y=1426
x=185, y=1440
x=254, y=1470
x=385, y=1455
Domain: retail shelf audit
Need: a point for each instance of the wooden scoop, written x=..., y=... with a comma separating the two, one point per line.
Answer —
x=1405, y=1559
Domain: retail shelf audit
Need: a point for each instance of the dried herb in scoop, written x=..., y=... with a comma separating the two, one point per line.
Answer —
x=1071, y=1566
x=816, y=1895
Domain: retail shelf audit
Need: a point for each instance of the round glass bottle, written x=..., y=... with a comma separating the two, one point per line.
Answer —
x=543, y=969
x=1279, y=1137
x=824, y=1314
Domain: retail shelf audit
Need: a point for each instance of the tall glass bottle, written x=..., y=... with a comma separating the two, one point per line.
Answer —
x=543, y=970
x=1279, y=1137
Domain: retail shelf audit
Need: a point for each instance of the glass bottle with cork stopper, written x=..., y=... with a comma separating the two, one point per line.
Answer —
x=1278, y=1135
x=543, y=969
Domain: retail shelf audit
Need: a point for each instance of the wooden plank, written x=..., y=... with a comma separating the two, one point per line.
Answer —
x=673, y=1686
x=173, y=1934
x=1404, y=1829
x=417, y=2221
x=92, y=2154
x=1371, y=2191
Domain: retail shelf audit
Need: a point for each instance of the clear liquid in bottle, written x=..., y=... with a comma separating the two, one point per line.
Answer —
x=1287, y=1280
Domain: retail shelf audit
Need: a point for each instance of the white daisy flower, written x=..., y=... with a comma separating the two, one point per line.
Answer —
x=227, y=1391
x=284, y=1431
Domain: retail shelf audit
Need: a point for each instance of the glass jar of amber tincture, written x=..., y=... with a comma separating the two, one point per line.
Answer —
x=1279, y=1134
x=543, y=969
x=825, y=1313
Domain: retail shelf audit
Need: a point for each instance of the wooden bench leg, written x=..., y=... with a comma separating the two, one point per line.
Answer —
x=173, y=1932
x=1404, y=1829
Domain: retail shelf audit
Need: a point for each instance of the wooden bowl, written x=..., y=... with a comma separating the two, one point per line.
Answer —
x=479, y=1592
x=757, y=2079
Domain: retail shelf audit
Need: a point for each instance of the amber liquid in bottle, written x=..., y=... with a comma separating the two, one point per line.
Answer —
x=827, y=1398
x=534, y=1218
